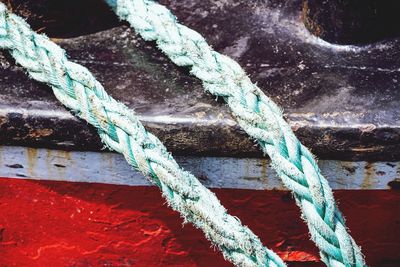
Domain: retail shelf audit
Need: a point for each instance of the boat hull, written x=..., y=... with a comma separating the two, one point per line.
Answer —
x=57, y=223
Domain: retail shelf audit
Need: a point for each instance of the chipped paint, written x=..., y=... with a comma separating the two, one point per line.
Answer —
x=217, y=172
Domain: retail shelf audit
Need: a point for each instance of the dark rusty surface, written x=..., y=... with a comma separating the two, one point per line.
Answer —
x=342, y=101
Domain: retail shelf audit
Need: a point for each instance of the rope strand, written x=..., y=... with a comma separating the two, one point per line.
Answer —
x=259, y=116
x=121, y=131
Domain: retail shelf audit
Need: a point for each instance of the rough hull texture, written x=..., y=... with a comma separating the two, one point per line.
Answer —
x=76, y=224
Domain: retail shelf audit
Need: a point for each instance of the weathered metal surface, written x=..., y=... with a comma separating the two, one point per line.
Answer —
x=214, y=172
x=342, y=101
x=47, y=223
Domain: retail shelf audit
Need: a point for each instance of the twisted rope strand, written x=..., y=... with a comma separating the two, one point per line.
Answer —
x=121, y=131
x=259, y=116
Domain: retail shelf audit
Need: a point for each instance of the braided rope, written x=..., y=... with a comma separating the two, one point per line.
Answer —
x=121, y=131
x=259, y=116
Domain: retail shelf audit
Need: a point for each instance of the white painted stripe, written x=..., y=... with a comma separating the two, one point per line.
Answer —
x=214, y=172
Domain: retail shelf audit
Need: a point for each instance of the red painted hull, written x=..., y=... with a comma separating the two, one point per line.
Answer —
x=45, y=223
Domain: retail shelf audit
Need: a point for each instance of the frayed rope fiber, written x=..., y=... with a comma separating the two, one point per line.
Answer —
x=259, y=116
x=121, y=131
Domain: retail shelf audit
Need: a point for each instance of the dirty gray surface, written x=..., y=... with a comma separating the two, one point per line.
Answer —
x=342, y=101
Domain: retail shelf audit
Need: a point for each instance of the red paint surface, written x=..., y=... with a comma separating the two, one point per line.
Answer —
x=46, y=223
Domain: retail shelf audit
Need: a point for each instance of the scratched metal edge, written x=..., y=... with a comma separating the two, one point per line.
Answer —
x=61, y=130
x=213, y=172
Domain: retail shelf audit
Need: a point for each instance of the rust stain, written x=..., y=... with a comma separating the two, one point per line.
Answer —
x=38, y=133
x=368, y=176
x=64, y=154
x=65, y=157
x=61, y=158
x=32, y=155
x=3, y=120
x=57, y=161
x=308, y=21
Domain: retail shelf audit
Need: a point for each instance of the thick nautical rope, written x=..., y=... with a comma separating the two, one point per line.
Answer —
x=258, y=115
x=121, y=131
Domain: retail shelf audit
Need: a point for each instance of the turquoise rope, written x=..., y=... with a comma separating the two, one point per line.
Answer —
x=121, y=131
x=259, y=116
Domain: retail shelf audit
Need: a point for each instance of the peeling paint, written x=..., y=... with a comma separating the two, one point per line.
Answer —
x=217, y=172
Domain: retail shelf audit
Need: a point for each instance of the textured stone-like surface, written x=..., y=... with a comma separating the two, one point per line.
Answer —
x=46, y=223
x=342, y=101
